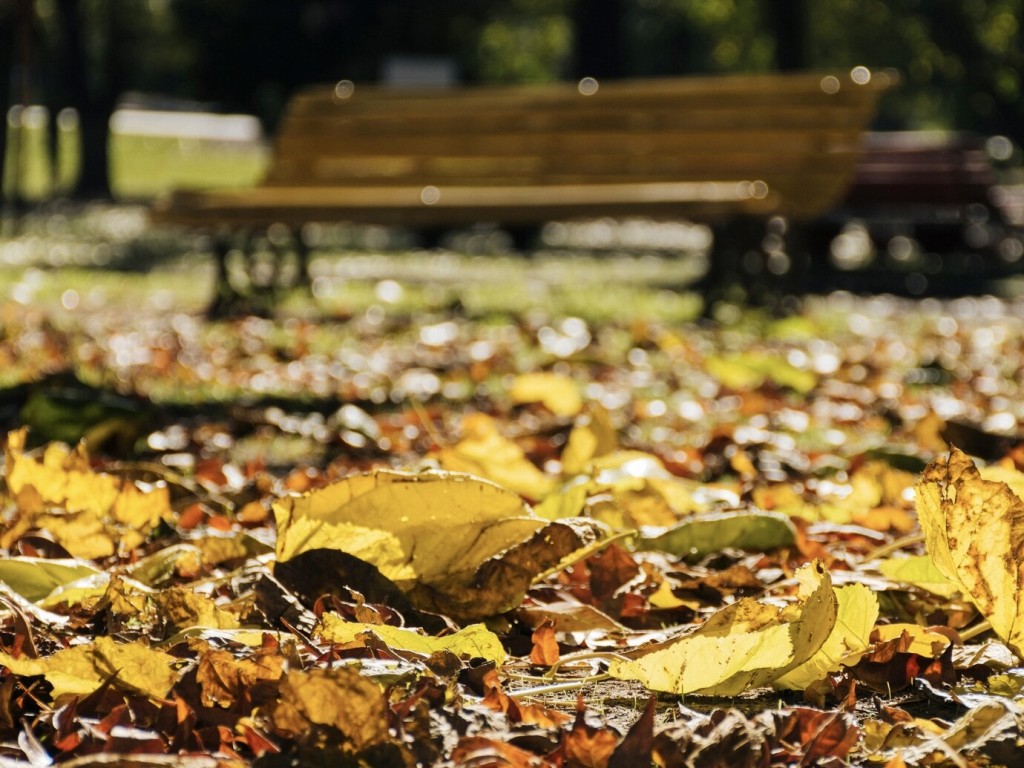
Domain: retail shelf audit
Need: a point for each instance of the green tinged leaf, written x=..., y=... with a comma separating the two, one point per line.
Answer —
x=715, y=531
x=750, y=370
x=918, y=571
x=34, y=577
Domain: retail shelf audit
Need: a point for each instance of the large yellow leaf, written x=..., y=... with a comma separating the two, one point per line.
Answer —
x=747, y=645
x=411, y=526
x=455, y=543
x=974, y=531
x=80, y=670
x=474, y=641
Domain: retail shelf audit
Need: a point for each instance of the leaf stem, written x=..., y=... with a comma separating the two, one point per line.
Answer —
x=582, y=656
x=980, y=628
x=894, y=546
x=574, y=685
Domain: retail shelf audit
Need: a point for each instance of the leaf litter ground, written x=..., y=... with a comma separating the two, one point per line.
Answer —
x=402, y=531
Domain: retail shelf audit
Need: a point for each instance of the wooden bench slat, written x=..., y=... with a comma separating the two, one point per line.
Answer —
x=462, y=205
x=498, y=122
x=321, y=143
x=741, y=89
x=506, y=171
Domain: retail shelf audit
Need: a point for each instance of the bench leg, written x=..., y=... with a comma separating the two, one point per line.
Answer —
x=736, y=241
x=758, y=262
x=225, y=297
x=302, y=251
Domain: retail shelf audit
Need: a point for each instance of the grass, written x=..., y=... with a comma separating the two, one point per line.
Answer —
x=141, y=167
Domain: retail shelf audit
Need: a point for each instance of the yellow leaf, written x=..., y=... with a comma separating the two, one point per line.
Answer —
x=141, y=510
x=81, y=533
x=80, y=670
x=850, y=637
x=974, y=532
x=485, y=452
x=455, y=543
x=474, y=641
x=411, y=526
x=592, y=436
x=559, y=394
x=91, y=514
x=747, y=645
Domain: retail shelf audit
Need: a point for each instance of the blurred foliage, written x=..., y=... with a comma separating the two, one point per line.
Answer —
x=961, y=60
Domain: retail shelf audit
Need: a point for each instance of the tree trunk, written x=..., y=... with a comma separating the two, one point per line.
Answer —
x=17, y=67
x=600, y=38
x=94, y=101
x=788, y=20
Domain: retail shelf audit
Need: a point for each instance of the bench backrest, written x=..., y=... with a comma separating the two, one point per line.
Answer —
x=921, y=168
x=799, y=133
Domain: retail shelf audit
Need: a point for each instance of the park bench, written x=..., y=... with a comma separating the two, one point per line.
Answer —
x=715, y=149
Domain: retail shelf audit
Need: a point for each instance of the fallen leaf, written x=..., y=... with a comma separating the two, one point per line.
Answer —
x=410, y=526
x=474, y=641
x=919, y=571
x=482, y=751
x=545, y=646
x=715, y=531
x=974, y=532
x=80, y=670
x=225, y=680
x=485, y=452
x=339, y=698
x=917, y=639
x=182, y=607
x=857, y=612
x=454, y=543
x=747, y=645
x=34, y=577
x=558, y=393
x=91, y=514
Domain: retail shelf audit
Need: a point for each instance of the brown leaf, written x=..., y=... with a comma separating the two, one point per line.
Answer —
x=481, y=751
x=587, y=746
x=818, y=734
x=636, y=746
x=226, y=681
x=528, y=714
x=545, y=646
x=609, y=570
